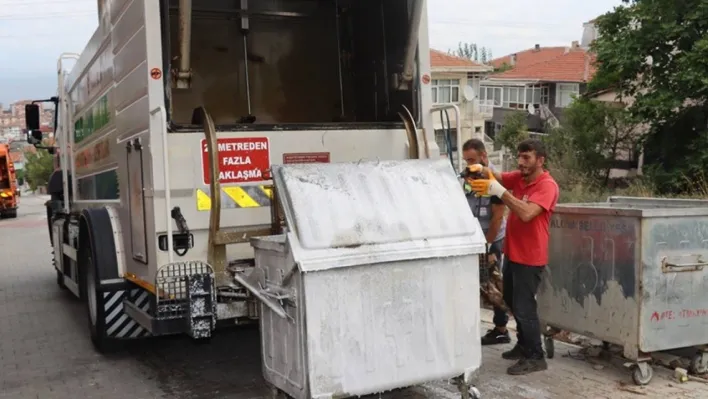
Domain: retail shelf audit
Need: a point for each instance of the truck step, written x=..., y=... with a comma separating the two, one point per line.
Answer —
x=187, y=296
x=201, y=316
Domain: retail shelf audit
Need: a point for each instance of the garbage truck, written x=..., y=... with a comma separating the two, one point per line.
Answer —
x=229, y=162
x=9, y=191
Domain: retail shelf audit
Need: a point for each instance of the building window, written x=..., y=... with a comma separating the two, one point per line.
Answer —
x=441, y=140
x=514, y=97
x=490, y=95
x=565, y=93
x=446, y=91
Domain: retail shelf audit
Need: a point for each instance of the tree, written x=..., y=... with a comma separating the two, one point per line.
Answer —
x=597, y=134
x=656, y=51
x=39, y=166
x=472, y=52
x=514, y=130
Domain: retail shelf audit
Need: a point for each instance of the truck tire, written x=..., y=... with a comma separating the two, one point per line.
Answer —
x=108, y=324
x=96, y=250
x=10, y=214
x=96, y=315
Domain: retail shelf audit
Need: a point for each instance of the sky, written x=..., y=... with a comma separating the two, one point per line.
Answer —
x=34, y=32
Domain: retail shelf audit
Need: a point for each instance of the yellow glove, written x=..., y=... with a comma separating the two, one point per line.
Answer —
x=487, y=187
x=475, y=169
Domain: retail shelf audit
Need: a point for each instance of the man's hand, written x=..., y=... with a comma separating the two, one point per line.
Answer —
x=480, y=169
x=487, y=187
x=475, y=168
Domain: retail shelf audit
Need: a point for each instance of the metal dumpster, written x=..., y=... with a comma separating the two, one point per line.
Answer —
x=374, y=285
x=630, y=272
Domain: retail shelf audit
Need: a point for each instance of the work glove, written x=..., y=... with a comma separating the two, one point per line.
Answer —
x=473, y=172
x=475, y=169
x=487, y=187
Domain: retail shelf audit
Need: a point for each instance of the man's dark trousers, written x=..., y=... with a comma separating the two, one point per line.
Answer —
x=521, y=284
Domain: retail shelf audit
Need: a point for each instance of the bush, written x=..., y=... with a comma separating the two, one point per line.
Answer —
x=39, y=166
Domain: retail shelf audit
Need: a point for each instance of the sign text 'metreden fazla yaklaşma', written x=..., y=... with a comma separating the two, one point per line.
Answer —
x=241, y=160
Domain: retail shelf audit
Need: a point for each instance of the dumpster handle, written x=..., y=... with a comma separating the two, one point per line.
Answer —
x=668, y=267
x=258, y=293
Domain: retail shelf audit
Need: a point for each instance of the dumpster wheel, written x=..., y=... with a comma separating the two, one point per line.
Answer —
x=550, y=346
x=467, y=391
x=642, y=378
x=699, y=365
x=472, y=393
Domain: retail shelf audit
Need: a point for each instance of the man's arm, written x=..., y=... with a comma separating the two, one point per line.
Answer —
x=542, y=200
x=498, y=209
x=526, y=211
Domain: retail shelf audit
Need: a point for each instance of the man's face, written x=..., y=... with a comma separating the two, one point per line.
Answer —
x=473, y=156
x=529, y=163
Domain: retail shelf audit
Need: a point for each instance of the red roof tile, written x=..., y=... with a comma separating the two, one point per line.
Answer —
x=553, y=64
x=16, y=157
x=530, y=57
x=441, y=59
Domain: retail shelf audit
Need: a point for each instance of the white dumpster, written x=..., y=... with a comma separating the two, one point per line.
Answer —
x=375, y=284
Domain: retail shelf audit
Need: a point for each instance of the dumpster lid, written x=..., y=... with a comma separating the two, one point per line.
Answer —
x=376, y=211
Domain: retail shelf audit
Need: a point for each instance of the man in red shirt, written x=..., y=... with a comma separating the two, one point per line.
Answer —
x=532, y=199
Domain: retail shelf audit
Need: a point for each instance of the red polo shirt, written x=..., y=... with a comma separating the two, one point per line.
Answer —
x=527, y=242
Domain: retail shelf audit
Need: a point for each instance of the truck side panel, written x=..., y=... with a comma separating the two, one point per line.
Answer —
x=135, y=132
x=109, y=88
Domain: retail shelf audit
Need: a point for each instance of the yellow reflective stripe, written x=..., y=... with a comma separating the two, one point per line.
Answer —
x=236, y=197
x=240, y=197
x=268, y=191
x=203, y=201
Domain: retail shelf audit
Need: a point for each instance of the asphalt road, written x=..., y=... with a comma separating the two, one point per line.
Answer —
x=45, y=351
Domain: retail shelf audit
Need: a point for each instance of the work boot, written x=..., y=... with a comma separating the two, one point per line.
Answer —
x=527, y=366
x=516, y=353
x=495, y=337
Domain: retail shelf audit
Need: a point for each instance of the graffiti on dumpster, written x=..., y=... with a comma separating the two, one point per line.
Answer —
x=588, y=252
x=682, y=314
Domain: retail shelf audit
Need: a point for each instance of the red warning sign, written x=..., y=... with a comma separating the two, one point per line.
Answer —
x=241, y=160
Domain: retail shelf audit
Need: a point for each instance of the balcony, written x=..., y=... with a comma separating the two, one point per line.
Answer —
x=476, y=110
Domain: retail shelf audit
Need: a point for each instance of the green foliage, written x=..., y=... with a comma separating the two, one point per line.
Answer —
x=598, y=134
x=39, y=166
x=503, y=68
x=472, y=52
x=514, y=129
x=656, y=51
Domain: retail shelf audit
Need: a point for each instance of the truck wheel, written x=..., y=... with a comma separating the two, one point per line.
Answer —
x=95, y=310
x=97, y=250
x=12, y=213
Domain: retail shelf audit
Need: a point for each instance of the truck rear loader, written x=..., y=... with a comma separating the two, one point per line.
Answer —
x=169, y=126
